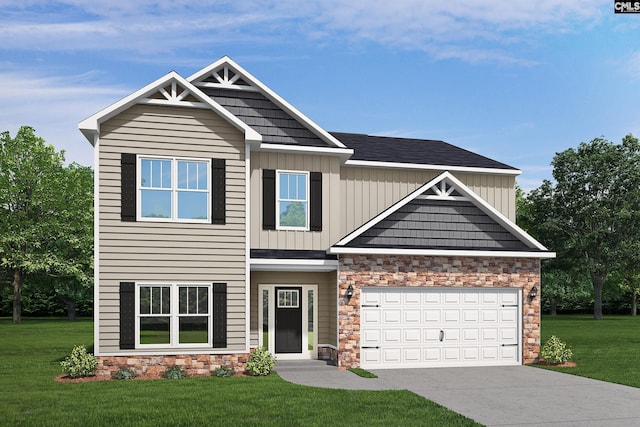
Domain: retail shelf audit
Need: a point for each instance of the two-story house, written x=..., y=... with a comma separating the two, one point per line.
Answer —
x=225, y=219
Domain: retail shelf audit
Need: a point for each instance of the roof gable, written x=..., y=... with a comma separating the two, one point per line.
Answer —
x=170, y=90
x=442, y=216
x=222, y=77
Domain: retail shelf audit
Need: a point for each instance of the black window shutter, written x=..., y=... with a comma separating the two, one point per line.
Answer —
x=315, y=200
x=128, y=187
x=268, y=199
x=127, y=315
x=219, y=315
x=218, y=191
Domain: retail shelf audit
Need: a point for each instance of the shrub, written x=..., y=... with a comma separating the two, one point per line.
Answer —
x=175, y=373
x=224, y=371
x=79, y=363
x=555, y=351
x=125, y=374
x=261, y=362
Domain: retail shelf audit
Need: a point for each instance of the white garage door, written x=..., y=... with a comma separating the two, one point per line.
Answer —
x=437, y=327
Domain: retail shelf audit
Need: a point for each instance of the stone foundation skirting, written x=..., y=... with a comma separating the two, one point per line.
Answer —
x=155, y=366
x=328, y=353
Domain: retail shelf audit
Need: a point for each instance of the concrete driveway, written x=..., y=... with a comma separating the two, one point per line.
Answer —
x=494, y=396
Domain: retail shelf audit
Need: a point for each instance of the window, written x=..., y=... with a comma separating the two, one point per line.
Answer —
x=174, y=189
x=174, y=315
x=292, y=200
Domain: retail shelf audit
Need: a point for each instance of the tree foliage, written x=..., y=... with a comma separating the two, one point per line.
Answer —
x=46, y=225
x=591, y=215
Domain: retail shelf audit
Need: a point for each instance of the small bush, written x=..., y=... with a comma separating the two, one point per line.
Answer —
x=175, y=373
x=555, y=351
x=79, y=363
x=261, y=362
x=224, y=371
x=125, y=374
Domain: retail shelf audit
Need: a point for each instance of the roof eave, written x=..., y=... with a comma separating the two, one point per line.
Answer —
x=341, y=250
x=422, y=166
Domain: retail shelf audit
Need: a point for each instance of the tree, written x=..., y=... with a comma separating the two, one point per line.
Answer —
x=592, y=210
x=42, y=223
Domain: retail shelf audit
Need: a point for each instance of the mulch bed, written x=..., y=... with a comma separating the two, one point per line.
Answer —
x=64, y=378
x=558, y=365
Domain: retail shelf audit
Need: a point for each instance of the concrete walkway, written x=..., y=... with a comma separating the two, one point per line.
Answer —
x=494, y=396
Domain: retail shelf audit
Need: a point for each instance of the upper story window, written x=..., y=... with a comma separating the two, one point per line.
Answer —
x=292, y=204
x=174, y=189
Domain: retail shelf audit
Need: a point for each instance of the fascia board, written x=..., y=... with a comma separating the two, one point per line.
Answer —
x=248, y=77
x=466, y=169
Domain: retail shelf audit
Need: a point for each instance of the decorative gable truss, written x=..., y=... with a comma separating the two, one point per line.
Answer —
x=174, y=94
x=443, y=217
x=224, y=77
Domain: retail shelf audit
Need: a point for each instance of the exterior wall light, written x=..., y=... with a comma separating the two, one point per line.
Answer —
x=533, y=294
x=349, y=292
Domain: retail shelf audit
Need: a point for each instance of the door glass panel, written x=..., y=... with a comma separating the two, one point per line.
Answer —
x=265, y=318
x=310, y=325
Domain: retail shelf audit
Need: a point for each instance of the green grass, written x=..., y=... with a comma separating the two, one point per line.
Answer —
x=607, y=350
x=362, y=373
x=30, y=354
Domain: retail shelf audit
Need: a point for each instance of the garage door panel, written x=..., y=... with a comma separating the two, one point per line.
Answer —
x=412, y=316
x=425, y=327
x=391, y=336
x=412, y=335
x=371, y=317
x=470, y=353
x=391, y=355
x=432, y=316
x=412, y=355
x=470, y=316
x=392, y=316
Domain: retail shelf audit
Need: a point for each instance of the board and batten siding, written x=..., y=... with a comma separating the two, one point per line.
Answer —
x=327, y=304
x=294, y=239
x=365, y=192
x=170, y=252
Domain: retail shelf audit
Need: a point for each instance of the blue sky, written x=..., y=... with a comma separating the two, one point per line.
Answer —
x=515, y=81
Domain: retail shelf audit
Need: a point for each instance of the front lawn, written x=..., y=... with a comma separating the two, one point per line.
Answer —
x=30, y=354
x=607, y=350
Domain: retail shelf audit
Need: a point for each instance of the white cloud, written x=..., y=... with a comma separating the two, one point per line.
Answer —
x=633, y=65
x=53, y=106
x=470, y=30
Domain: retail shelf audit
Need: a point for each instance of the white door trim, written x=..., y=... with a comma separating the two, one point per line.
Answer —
x=305, y=353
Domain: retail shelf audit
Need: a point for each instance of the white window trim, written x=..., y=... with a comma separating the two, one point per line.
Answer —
x=174, y=189
x=174, y=324
x=307, y=175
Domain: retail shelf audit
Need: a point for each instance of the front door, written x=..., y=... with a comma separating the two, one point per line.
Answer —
x=288, y=320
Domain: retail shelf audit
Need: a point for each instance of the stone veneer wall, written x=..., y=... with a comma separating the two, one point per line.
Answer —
x=425, y=271
x=328, y=353
x=155, y=366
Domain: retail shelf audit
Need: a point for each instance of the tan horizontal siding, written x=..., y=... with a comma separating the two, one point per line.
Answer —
x=171, y=252
x=366, y=192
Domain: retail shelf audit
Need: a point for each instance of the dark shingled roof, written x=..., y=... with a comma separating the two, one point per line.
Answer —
x=407, y=150
x=274, y=124
x=439, y=224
